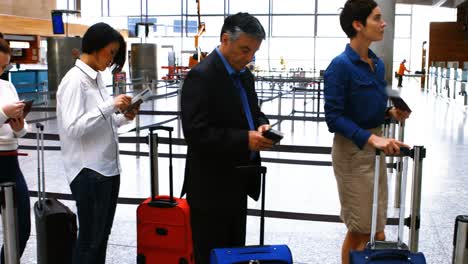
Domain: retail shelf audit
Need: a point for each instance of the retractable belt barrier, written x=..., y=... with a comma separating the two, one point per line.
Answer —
x=181, y=142
x=251, y=212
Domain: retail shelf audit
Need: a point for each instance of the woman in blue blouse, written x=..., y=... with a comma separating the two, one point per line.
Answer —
x=355, y=109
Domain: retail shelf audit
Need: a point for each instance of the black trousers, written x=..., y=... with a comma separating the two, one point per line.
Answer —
x=217, y=228
x=400, y=80
x=96, y=200
x=12, y=172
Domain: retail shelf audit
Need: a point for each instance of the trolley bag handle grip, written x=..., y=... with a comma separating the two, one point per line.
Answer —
x=167, y=128
x=262, y=170
x=404, y=152
x=390, y=255
x=163, y=203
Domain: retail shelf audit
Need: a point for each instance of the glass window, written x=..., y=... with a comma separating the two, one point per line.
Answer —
x=329, y=26
x=91, y=8
x=206, y=7
x=294, y=7
x=65, y=4
x=206, y=44
x=403, y=9
x=329, y=48
x=125, y=8
x=292, y=49
x=402, y=26
x=162, y=7
x=250, y=6
x=213, y=25
x=289, y=26
x=295, y=52
x=264, y=21
x=330, y=6
x=401, y=50
x=61, y=4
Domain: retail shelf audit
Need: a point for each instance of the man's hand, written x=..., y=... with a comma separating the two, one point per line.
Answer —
x=263, y=128
x=14, y=110
x=122, y=102
x=398, y=114
x=258, y=142
x=388, y=145
x=16, y=124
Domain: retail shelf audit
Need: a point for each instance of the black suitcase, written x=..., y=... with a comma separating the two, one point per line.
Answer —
x=55, y=223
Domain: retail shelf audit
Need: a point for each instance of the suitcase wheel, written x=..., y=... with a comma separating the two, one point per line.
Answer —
x=141, y=259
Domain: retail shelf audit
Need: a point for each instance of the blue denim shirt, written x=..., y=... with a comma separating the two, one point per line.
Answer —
x=355, y=96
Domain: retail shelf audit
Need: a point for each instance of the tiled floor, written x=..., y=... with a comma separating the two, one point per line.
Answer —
x=435, y=124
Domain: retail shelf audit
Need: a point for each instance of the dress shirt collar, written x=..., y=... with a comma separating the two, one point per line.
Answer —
x=228, y=66
x=354, y=57
x=86, y=69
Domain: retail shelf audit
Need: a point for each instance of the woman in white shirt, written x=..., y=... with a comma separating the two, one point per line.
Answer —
x=12, y=127
x=88, y=123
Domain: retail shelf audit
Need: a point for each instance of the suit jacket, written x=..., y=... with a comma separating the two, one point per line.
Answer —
x=216, y=131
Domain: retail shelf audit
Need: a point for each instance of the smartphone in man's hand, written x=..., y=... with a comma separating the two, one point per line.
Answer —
x=273, y=134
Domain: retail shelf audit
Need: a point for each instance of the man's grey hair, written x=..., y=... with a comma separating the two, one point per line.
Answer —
x=235, y=33
x=245, y=23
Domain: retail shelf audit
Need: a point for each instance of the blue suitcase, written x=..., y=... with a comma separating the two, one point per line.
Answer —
x=382, y=256
x=381, y=252
x=272, y=254
x=278, y=254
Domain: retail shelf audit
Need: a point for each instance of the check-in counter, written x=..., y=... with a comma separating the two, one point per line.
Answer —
x=461, y=86
x=452, y=82
x=438, y=80
x=445, y=83
x=29, y=81
x=430, y=79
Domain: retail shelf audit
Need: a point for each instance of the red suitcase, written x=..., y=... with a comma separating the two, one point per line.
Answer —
x=164, y=233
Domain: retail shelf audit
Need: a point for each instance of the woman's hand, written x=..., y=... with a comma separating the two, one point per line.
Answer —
x=130, y=115
x=14, y=110
x=122, y=102
x=17, y=124
x=388, y=145
x=398, y=114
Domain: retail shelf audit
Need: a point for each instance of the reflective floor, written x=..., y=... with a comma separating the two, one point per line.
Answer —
x=434, y=123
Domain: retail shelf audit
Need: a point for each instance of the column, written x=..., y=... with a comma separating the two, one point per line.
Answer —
x=384, y=48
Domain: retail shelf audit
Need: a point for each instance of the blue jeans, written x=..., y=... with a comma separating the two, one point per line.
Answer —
x=96, y=200
x=12, y=172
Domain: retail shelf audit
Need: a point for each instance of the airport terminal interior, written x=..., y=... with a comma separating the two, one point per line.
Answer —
x=166, y=38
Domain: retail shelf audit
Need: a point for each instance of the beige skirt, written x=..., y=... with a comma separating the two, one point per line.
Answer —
x=354, y=171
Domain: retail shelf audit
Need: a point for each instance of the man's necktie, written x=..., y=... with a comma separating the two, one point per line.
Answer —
x=245, y=106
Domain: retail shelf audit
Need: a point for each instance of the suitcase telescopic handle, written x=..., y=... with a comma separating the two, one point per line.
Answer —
x=262, y=170
x=404, y=152
x=154, y=201
x=40, y=164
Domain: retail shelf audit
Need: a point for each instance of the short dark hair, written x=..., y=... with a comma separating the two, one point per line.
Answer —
x=100, y=35
x=4, y=46
x=243, y=23
x=355, y=10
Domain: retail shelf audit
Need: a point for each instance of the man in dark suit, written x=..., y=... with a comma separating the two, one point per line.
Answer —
x=223, y=128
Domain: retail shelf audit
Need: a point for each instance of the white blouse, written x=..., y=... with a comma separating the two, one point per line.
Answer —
x=8, y=137
x=87, y=123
